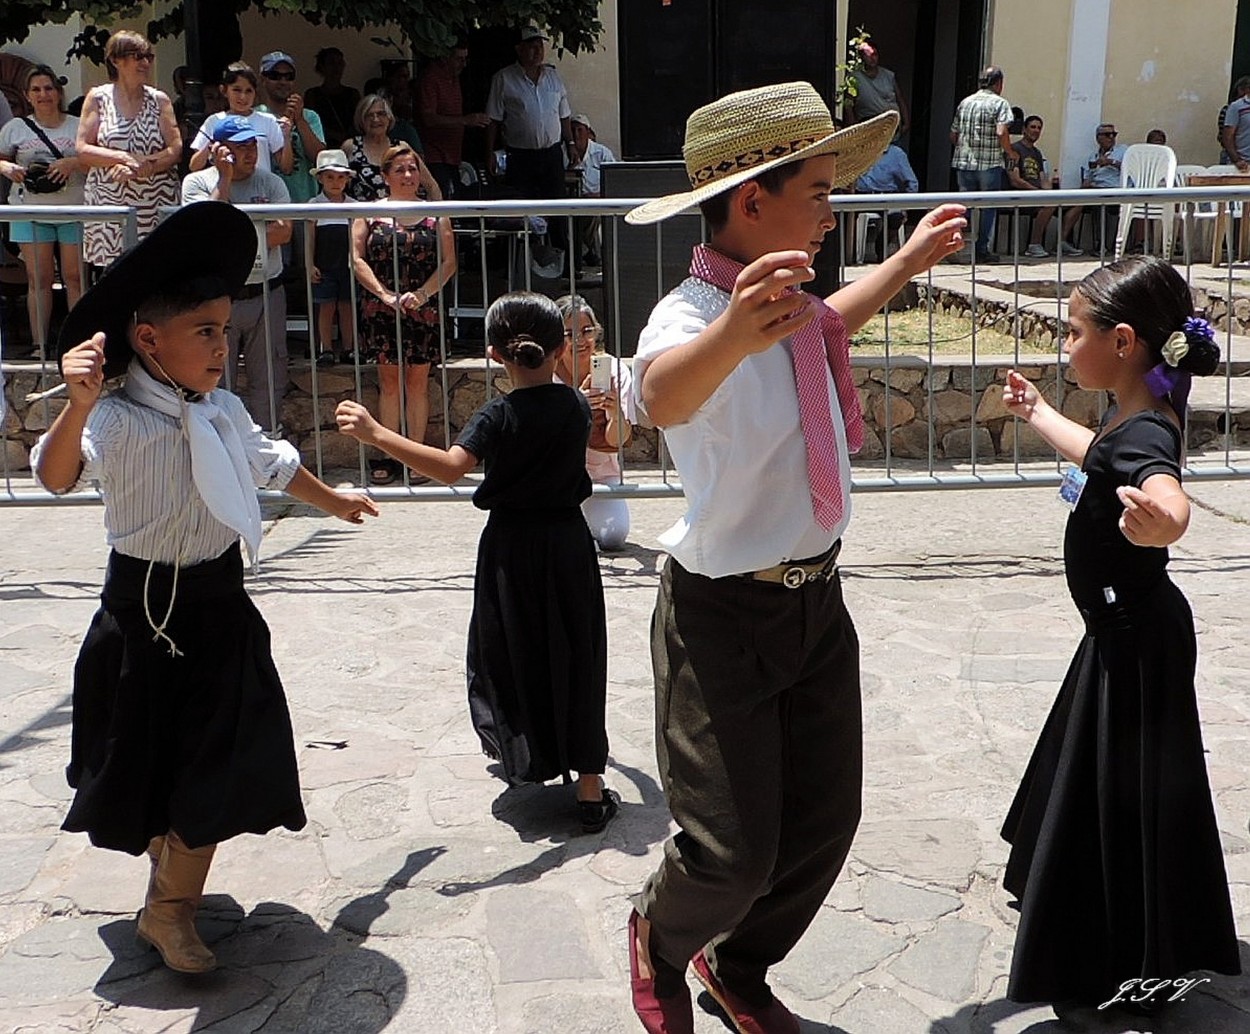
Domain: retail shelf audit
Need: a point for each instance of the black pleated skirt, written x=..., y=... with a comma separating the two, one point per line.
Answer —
x=537, y=650
x=201, y=742
x=1116, y=858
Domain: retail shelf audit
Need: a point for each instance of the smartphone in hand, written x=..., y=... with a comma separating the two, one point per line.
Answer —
x=601, y=371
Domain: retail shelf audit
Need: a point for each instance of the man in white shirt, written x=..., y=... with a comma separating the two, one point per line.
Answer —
x=756, y=659
x=529, y=103
x=256, y=329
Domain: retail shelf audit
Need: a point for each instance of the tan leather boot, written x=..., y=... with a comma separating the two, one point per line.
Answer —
x=155, y=846
x=167, y=921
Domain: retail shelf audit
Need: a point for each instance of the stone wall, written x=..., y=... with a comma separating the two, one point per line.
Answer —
x=962, y=403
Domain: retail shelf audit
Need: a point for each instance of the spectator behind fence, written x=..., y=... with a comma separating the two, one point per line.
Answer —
x=611, y=408
x=330, y=272
x=236, y=177
x=891, y=174
x=982, y=149
x=129, y=139
x=425, y=254
x=588, y=157
x=876, y=90
x=239, y=86
x=1101, y=171
x=1235, y=134
x=300, y=124
x=528, y=101
x=38, y=155
x=1157, y=136
x=1031, y=171
x=537, y=651
x=334, y=102
x=440, y=110
x=397, y=89
x=374, y=121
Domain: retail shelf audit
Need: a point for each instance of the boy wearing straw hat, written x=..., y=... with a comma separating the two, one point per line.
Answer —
x=756, y=659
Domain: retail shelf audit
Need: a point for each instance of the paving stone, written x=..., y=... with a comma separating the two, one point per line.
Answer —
x=576, y=1014
x=55, y=961
x=894, y=902
x=879, y=1009
x=537, y=935
x=447, y=987
x=20, y=859
x=368, y=812
x=837, y=947
x=943, y=963
x=932, y=851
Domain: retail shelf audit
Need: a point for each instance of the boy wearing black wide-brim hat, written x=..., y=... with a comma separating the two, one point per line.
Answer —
x=756, y=660
x=181, y=734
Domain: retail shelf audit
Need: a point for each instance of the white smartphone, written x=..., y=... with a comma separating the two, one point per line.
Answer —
x=601, y=371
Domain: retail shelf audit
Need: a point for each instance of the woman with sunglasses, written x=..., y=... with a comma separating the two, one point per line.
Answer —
x=129, y=139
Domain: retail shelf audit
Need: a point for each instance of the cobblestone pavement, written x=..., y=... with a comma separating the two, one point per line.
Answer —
x=423, y=897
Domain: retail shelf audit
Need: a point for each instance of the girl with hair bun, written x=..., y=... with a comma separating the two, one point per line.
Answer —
x=537, y=650
x=1115, y=854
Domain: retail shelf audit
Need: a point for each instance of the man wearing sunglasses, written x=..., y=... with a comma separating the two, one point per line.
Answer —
x=1101, y=171
x=301, y=125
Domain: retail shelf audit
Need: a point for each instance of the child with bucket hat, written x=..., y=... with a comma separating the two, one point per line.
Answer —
x=756, y=659
x=329, y=243
x=181, y=736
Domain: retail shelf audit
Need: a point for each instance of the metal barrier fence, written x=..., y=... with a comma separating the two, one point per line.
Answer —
x=932, y=418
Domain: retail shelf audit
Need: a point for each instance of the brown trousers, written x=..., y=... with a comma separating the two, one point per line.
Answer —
x=760, y=748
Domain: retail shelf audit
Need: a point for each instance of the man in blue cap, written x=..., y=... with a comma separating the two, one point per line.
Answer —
x=257, y=329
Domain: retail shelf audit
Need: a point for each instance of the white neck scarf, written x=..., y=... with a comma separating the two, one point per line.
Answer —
x=219, y=465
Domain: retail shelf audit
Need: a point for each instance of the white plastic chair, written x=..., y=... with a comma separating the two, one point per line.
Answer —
x=862, y=221
x=1147, y=167
x=1196, y=214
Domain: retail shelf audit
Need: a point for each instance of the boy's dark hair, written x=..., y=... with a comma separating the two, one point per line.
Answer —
x=1151, y=297
x=239, y=70
x=181, y=297
x=525, y=328
x=716, y=208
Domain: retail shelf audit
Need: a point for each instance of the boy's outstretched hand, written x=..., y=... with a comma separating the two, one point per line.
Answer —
x=354, y=506
x=356, y=422
x=82, y=368
x=762, y=309
x=938, y=234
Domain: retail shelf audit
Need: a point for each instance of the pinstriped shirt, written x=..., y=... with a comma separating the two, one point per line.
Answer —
x=142, y=465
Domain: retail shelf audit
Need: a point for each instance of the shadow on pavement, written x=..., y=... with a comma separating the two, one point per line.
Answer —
x=548, y=813
x=277, y=967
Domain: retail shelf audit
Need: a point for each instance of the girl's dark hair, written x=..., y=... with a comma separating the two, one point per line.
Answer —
x=1151, y=297
x=178, y=298
x=716, y=208
x=525, y=328
x=239, y=70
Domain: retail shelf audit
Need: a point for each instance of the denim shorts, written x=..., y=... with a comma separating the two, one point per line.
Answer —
x=45, y=233
x=335, y=286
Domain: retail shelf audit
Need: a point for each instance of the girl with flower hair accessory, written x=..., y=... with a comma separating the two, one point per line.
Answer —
x=1115, y=854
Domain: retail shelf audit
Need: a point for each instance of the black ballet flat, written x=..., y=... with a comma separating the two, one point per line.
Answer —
x=597, y=814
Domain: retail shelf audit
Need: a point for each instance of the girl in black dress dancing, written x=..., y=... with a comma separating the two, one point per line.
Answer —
x=537, y=653
x=1115, y=855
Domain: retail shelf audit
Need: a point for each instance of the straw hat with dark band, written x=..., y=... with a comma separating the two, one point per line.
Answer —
x=737, y=137
x=208, y=238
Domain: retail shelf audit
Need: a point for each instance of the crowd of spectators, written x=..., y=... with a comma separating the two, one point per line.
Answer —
x=261, y=141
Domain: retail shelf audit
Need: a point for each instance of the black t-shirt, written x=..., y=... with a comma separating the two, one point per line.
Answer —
x=533, y=444
x=1031, y=163
x=1096, y=554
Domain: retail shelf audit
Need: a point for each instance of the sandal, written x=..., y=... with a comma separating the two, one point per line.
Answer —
x=326, y=359
x=382, y=472
x=597, y=814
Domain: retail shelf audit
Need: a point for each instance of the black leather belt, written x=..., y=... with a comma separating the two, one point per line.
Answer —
x=794, y=574
x=256, y=290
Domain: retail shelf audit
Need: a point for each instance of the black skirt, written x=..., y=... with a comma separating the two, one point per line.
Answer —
x=201, y=742
x=537, y=651
x=1116, y=858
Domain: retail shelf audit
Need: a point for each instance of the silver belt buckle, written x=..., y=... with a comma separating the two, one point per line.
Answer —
x=794, y=578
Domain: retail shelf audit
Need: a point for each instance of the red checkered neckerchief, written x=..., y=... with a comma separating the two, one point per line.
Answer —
x=820, y=344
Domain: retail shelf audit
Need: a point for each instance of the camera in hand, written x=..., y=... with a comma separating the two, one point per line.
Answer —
x=38, y=181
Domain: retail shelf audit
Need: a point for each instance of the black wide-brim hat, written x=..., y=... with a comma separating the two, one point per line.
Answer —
x=208, y=238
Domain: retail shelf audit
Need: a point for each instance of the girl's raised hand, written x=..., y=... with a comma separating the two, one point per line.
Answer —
x=82, y=368
x=1019, y=395
x=355, y=421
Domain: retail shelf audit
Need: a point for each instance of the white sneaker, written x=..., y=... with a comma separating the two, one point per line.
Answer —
x=1068, y=251
x=1035, y=251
